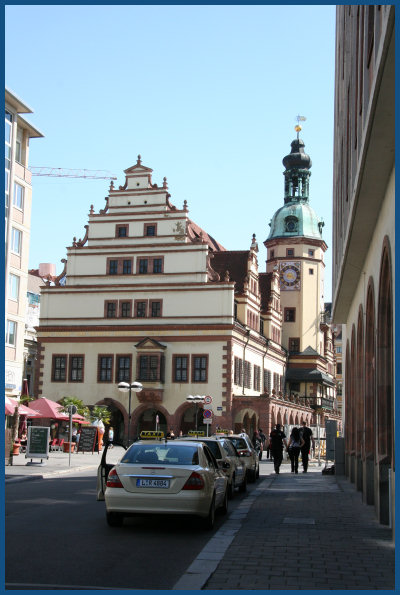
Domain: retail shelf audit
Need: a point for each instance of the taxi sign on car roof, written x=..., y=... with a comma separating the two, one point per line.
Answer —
x=223, y=432
x=194, y=433
x=150, y=434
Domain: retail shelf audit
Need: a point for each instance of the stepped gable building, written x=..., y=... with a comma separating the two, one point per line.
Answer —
x=364, y=245
x=148, y=295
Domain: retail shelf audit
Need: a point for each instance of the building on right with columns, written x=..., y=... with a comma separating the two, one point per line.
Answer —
x=364, y=245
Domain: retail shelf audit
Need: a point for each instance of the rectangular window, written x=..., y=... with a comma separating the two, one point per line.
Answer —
x=155, y=309
x=157, y=265
x=113, y=267
x=121, y=231
x=150, y=229
x=180, y=365
x=311, y=253
x=11, y=333
x=13, y=287
x=123, y=368
x=289, y=251
x=105, y=368
x=339, y=349
x=294, y=344
x=257, y=378
x=290, y=314
x=143, y=265
x=140, y=309
x=111, y=309
x=267, y=381
x=16, y=240
x=311, y=271
x=18, y=200
x=127, y=267
x=125, y=309
x=338, y=368
x=59, y=368
x=247, y=374
x=238, y=371
x=294, y=387
x=149, y=368
x=276, y=382
x=200, y=368
x=76, y=368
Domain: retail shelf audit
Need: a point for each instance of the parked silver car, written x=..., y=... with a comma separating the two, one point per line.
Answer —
x=228, y=460
x=246, y=451
x=162, y=477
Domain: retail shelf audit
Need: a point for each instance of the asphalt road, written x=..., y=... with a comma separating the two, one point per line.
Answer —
x=57, y=538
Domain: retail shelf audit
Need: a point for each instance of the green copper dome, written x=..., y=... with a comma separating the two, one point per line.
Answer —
x=296, y=217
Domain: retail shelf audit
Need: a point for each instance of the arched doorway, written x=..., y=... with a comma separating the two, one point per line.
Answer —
x=189, y=419
x=247, y=420
x=147, y=421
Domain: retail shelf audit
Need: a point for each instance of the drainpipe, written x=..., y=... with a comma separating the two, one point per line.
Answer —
x=244, y=354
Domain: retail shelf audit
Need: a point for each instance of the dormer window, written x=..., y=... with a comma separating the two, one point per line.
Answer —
x=291, y=224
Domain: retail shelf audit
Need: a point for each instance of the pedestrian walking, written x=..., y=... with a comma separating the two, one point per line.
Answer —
x=277, y=440
x=257, y=443
x=308, y=438
x=294, y=446
x=111, y=436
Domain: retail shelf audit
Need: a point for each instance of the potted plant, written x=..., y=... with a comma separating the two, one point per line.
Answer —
x=16, y=446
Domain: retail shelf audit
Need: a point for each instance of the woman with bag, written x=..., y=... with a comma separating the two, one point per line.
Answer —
x=294, y=446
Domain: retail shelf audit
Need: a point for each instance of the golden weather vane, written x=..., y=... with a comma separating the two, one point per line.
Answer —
x=298, y=127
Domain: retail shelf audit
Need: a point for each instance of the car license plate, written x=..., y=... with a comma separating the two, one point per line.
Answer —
x=152, y=483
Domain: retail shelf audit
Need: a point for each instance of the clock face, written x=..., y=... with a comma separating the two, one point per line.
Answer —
x=290, y=275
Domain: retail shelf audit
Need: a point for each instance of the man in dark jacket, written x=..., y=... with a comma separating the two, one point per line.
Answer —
x=307, y=435
x=277, y=440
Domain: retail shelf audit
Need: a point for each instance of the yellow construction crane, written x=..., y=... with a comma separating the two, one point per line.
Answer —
x=63, y=172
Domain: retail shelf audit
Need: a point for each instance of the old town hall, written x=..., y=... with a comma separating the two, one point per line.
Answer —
x=148, y=295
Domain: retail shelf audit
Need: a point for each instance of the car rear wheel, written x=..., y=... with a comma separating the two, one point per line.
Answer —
x=114, y=519
x=243, y=485
x=231, y=488
x=252, y=475
x=224, y=507
x=210, y=520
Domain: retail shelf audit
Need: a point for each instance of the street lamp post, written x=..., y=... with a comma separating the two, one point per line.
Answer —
x=196, y=399
x=124, y=387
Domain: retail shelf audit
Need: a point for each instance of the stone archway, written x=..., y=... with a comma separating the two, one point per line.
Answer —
x=118, y=418
x=147, y=420
x=246, y=419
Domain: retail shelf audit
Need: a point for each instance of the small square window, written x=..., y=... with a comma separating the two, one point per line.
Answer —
x=290, y=252
x=157, y=265
x=290, y=314
x=126, y=309
x=150, y=230
x=143, y=265
x=113, y=267
x=122, y=231
x=311, y=271
x=311, y=253
x=141, y=309
x=127, y=267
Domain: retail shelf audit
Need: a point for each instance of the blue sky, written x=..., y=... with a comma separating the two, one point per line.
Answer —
x=206, y=94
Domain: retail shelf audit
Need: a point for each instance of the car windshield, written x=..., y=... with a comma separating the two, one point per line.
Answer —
x=167, y=454
x=240, y=443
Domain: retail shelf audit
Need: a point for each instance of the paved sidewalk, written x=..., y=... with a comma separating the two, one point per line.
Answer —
x=297, y=532
x=56, y=464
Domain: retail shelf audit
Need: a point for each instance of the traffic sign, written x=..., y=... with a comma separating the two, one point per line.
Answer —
x=207, y=413
x=207, y=400
x=207, y=421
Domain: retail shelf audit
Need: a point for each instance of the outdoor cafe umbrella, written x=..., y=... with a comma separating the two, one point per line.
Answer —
x=53, y=410
x=11, y=404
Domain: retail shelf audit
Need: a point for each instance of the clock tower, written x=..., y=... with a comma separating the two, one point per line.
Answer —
x=295, y=248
